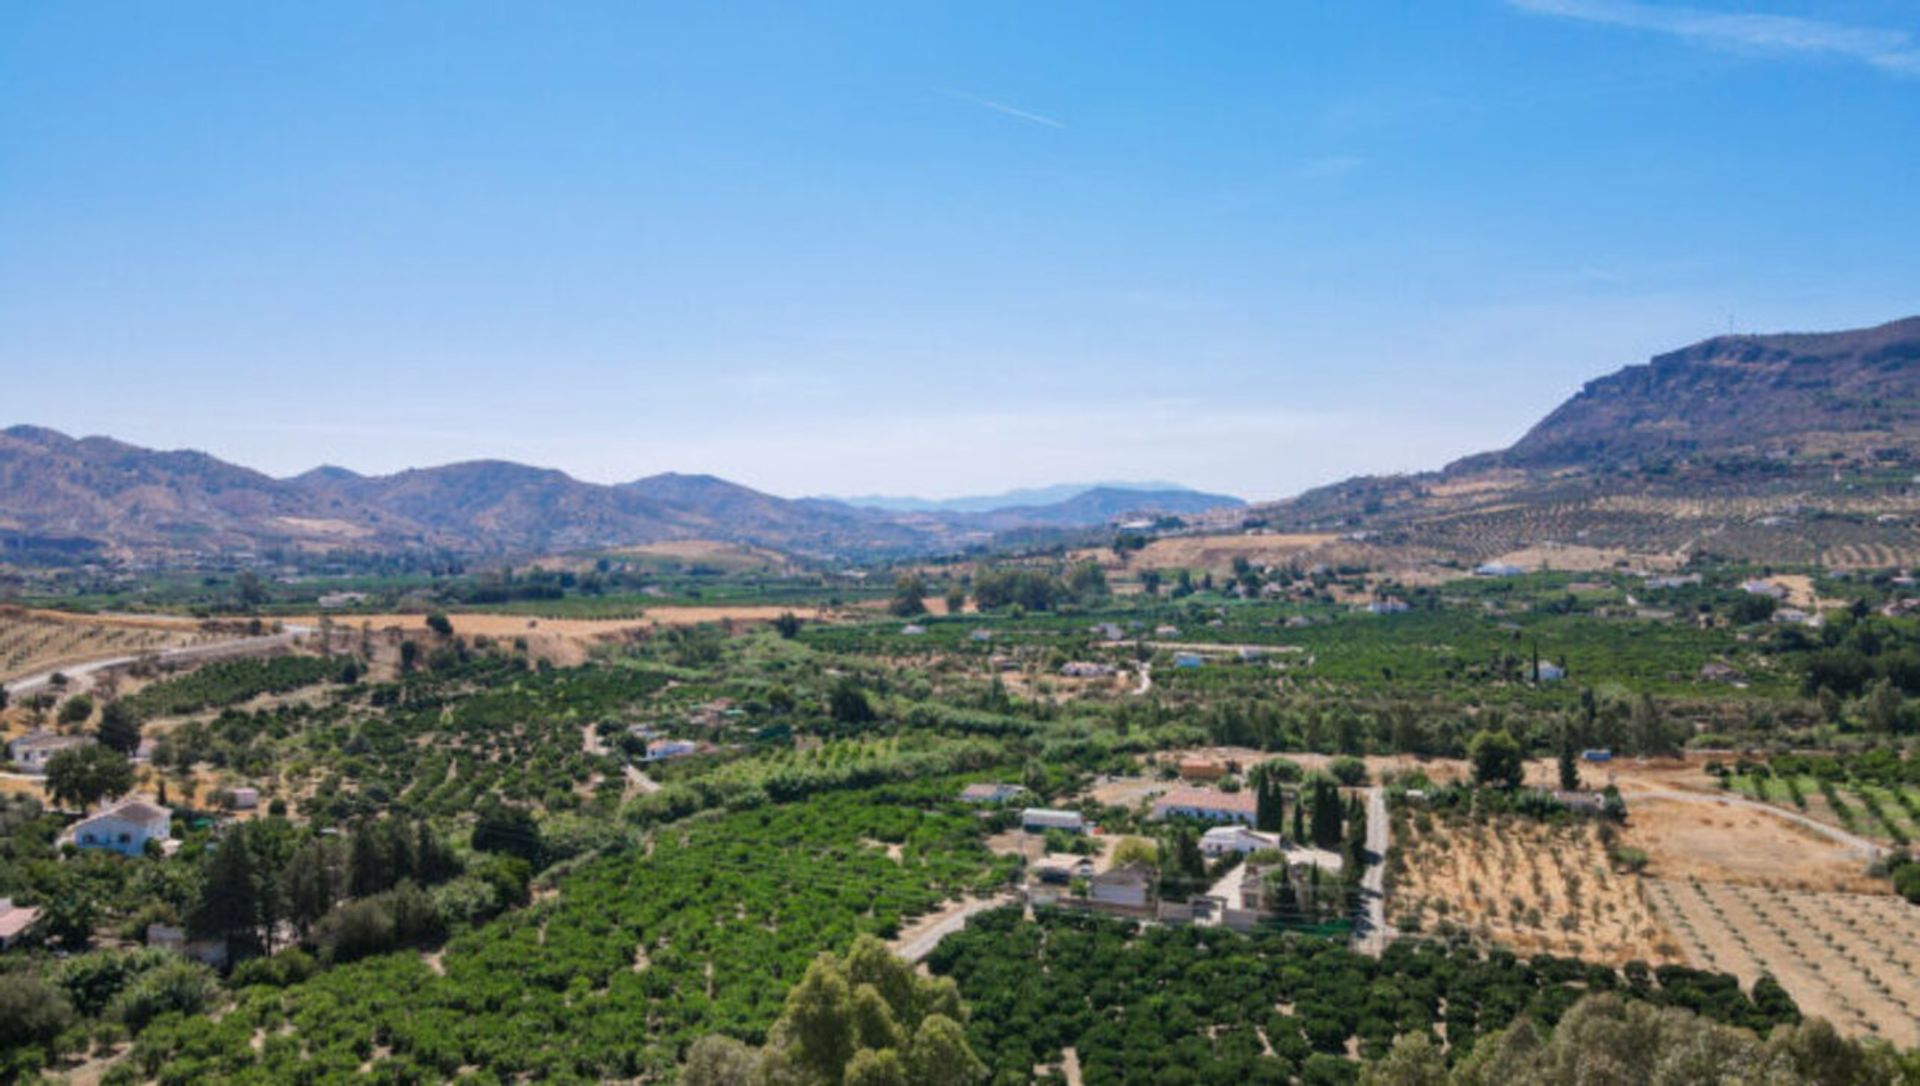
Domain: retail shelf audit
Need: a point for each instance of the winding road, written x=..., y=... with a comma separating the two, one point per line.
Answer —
x=212, y=650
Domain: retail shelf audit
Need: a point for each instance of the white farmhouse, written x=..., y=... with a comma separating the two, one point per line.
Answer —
x=1221, y=840
x=125, y=827
x=31, y=752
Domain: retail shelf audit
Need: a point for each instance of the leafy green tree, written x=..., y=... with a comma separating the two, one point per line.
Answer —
x=440, y=624
x=76, y=709
x=233, y=902
x=1326, y=813
x=876, y=1067
x=119, y=728
x=1413, y=1061
x=719, y=1060
x=177, y=987
x=956, y=600
x=82, y=776
x=1136, y=850
x=848, y=703
x=787, y=625
x=32, y=1012
x=909, y=595
x=1087, y=581
x=314, y=879
x=509, y=830
x=1497, y=759
x=938, y=1054
x=251, y=591
x=866, y=1018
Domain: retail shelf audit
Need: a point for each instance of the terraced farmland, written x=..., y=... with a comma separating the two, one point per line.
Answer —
x=33, y=643
x=1851, y=958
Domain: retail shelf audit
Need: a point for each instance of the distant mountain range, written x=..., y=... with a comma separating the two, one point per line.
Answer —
x=64, y=496
x=1797, y=447
x=1041, y=495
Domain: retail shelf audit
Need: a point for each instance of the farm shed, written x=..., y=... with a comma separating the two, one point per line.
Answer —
x=1042, y=819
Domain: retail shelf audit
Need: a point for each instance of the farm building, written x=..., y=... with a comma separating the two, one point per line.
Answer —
x=125, y=828
x=1388, y=607
x=1713, y=671
x=1202, y=769
x=1187, y=659
x=990, y=793
x=245, y=798
x=206, y=951
x=1129, y=887
x=14, y=921
x=1497, y=569
x=1221, y=840
x=981, y=635
x=1042, y=819
x=1206, y=804
x=31, y=752
x=1764, y=588
x=1059, y=869
x=912, y=630
x=1548, y=672
x=1081, y=669
x=662, y=749
x=1600, y=755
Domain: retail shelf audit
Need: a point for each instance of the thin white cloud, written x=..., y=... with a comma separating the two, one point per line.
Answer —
x=1332, y=166
x=1002, y=107
x=1894, y=51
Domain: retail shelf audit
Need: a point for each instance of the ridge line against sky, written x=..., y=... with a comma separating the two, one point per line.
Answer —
x=905, y=250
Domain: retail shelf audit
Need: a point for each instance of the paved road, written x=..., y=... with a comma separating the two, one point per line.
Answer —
x=214, y=649
x=1371, y=935
x=1861, y=846
x=919, y=941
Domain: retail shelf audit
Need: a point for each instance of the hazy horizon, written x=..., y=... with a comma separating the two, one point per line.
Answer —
x=924, y=252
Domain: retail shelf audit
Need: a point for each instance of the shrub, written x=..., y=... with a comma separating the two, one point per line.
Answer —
x=32, y=1012
x=1348, y=770
x=177, y=987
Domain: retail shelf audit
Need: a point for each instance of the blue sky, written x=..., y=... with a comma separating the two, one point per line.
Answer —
x=924, y=248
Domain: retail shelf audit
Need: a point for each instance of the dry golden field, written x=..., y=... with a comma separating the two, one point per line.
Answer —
x=1853, y=959
x=1527, y=885
x=36, y=641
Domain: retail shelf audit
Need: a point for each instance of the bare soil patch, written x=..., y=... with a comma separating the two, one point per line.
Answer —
x=1722, y=842
x=1852, y=959
x=1529, y=885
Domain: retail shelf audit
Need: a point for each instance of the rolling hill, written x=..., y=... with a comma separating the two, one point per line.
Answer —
x=62, y=497
x=1799, y=447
